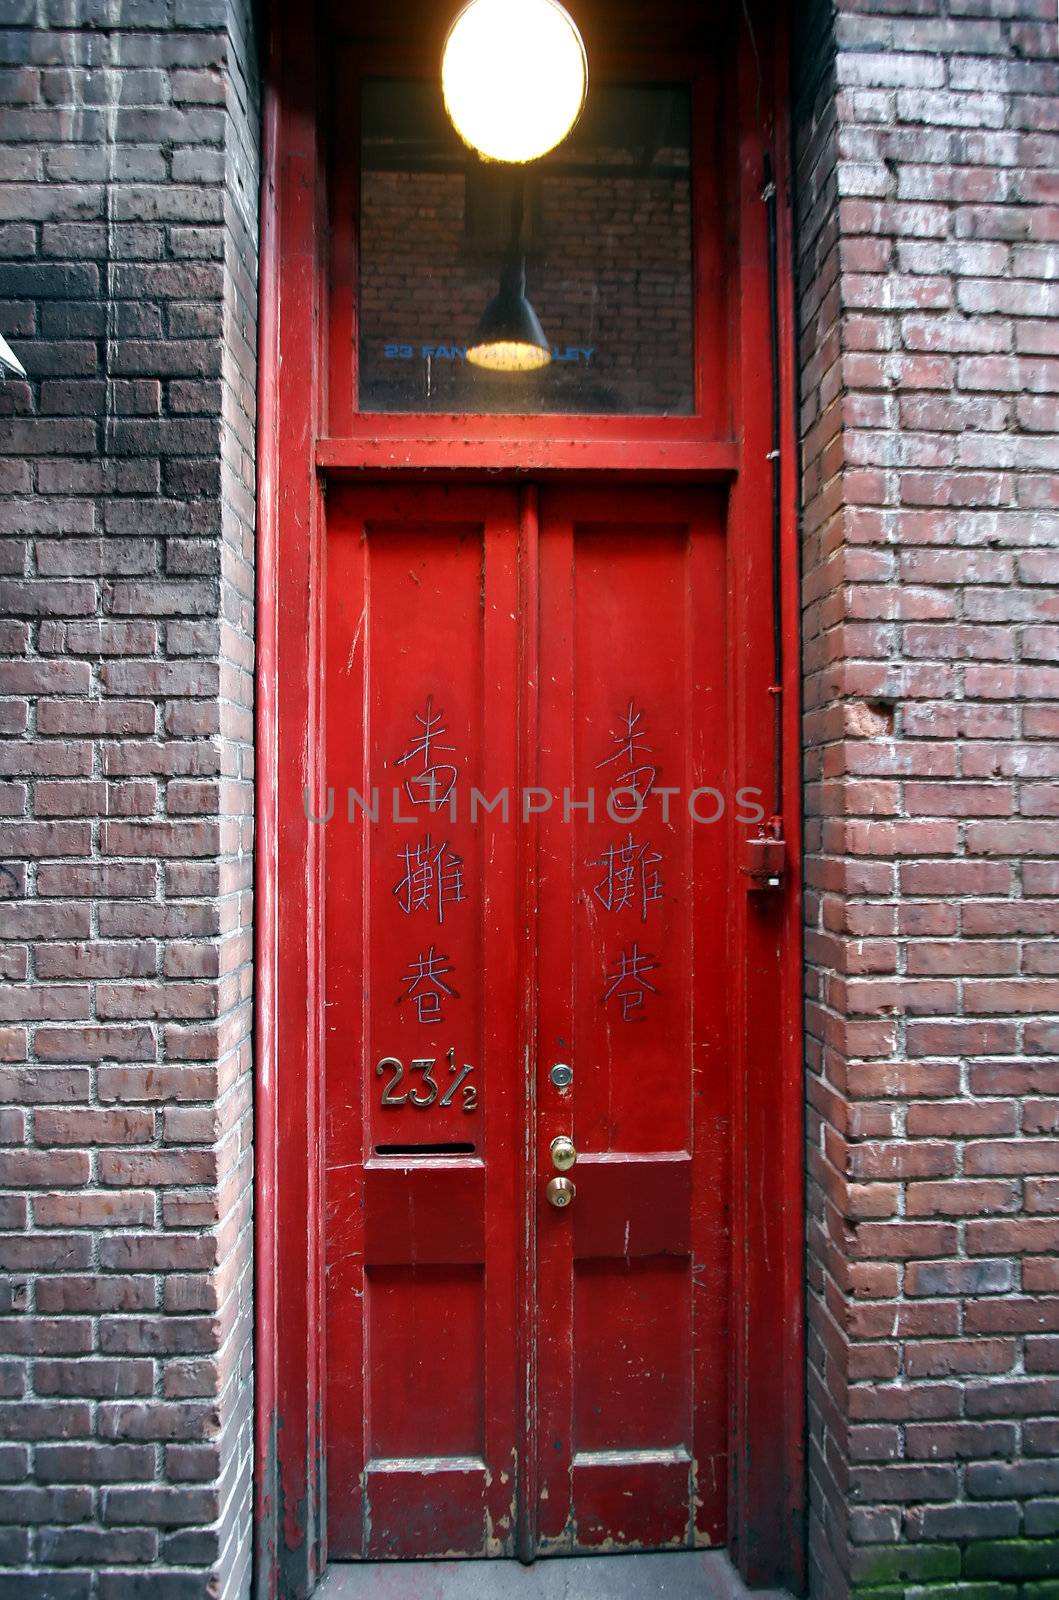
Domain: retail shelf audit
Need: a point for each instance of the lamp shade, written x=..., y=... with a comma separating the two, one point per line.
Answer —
x=514, y=75
x=509, y=337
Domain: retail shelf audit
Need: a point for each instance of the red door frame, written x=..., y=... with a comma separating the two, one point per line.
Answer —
x=296, y=456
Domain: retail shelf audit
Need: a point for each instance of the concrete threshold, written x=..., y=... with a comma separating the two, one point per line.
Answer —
x=683, y=1575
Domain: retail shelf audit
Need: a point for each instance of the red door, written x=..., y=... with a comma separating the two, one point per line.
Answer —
x=528, y=826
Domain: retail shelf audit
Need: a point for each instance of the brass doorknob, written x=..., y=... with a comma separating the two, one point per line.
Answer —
x=563, y=1153
x=560, y=1192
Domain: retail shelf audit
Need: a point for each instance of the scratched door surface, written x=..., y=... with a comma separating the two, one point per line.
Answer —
x=522, y=696
x=421, y=1025
x=632, y=1276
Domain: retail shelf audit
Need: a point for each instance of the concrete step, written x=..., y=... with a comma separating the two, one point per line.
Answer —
x=682, y=1575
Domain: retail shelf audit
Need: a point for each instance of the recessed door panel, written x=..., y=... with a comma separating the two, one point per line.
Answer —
x=526, y=851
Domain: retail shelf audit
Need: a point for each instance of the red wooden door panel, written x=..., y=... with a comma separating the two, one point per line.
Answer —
x=495, y=1364
x=633, y=1275
x=420, y=1044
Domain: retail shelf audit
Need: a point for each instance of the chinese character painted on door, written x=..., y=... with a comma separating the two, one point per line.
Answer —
x=634, y=779
x=433, y=781
x=627, y=985
x=629, y=877
x=425, y=983
x=432, y=879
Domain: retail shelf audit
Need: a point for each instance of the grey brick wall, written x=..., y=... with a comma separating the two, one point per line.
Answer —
x=128, y=207
x=928, y=149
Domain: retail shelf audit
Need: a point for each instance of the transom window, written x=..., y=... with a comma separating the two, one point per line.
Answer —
x=595, y=240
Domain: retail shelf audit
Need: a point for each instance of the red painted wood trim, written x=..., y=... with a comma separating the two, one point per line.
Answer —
x=768, y=1396
x=290, y=1542
x=792, y=1049
x=473, y=455
x=768, y=1406
x=529, y=756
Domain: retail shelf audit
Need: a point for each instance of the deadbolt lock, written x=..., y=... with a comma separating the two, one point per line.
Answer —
x=560, y=1192
x=563, y=1153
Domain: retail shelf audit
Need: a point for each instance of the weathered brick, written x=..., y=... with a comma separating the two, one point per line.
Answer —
x=929, y=543
x=127, y=261
x=100, y=1379
x=91, y=1128
x=92, y=1210
x=95, y=1294
x=96, y=1547
x=94, y=1463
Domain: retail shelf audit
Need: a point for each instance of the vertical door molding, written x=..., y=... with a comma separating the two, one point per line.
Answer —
x=767, y=1503
x=290, y=1542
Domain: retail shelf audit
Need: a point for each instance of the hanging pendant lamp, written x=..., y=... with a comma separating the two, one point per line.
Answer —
x=514, y=74
x=509, y=337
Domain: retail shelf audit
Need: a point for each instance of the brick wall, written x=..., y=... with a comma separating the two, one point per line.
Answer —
x=927, y=155
x=128, y=202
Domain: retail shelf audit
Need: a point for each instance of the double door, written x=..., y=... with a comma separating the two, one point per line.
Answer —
x=528, y=825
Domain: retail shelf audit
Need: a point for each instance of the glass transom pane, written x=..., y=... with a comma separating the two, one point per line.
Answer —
x=596, y=236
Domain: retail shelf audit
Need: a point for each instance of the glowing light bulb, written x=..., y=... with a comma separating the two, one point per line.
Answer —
x=509, y=338
x=514, y=75
x=505, y=355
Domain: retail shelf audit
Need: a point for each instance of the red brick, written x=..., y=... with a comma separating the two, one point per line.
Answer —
x=959, y=1277
x=906, y=1241
x=1016, y=1398
x=1042, y=1355
x=93, y=1463
x=91, y=1128
x=959, y=1441
x=913, y=1160
x=962, y=1197
x=95, y=1294
x=962, y=1118
x=1013, y=1314
x=941, y=1358
x=99, y=1379
x=938, y=874
x=95, y=1043
x=43, y=1169
x=94, y=1210
x=1013, y=1156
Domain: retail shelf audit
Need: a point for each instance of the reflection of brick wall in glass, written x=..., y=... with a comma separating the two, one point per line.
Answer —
x=608, y=269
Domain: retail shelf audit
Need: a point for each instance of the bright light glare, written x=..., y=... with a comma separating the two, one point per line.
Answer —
x=514, y=76
x=504, y=355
